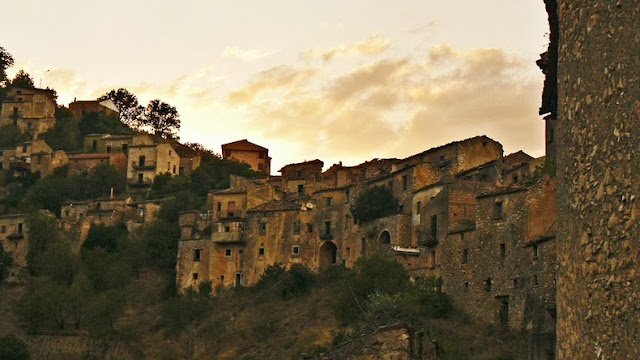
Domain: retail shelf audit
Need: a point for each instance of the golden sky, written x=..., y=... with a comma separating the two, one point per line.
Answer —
x=336, y=80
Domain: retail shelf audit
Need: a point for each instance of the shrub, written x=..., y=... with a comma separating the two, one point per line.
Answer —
x=298, y=281
x=12, y=348
x=374, y=203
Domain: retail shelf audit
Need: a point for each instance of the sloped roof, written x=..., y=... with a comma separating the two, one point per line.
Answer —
x=316, y=161
x=243, y=144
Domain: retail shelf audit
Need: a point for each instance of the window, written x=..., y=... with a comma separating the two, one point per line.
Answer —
x=222, y=278
x=497, y=210
x=434, y=226
x=195, y=276
x=461, y=236
x=503, y=251
x=300, y=188
x=515, y=283
x=141, y=160
x=15, y=111
x=296, y=227
x=24, y=148
x=400, y=208
x=19, y=228
x=98, y=206
x=168, y=166
x=465, y=256
x=329, y=201
x=109, y=149
x=327, y=227
x=174, y=169
x=405, y=182
x=197, y=254
x=1, y=165
x=263, y=228
x=260, y=167
x=347, y=193
x=219, y=206
x=298, y=173
x=3, y=229
x=309, y=227
x=231, y=209
x=125, y=147
x=29, y=126
x=94, y=145
x=534, y=249
x=227, y=252
x=418, y=206
x=466, y=287
x=238, y=279
x=261, y=251
x=487, y=285
x=140, y=178
x=261, y=155
x=295, y=249
x=169, y=152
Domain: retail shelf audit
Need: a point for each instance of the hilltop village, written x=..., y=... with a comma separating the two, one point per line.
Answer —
x=482, y=221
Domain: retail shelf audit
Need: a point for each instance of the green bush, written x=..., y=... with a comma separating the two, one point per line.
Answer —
x=12, y=348
x=374, y=203
x=298, y=281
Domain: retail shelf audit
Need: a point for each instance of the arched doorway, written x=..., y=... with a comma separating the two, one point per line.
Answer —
x=328, y=255
x=384, y=238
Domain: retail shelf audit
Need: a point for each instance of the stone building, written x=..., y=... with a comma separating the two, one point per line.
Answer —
x=80, y=107
x=31, y=157
x=148, y=157
x=594, y=46
x=14, y=240
x=250, y=153
x=32, y=110
x=87, y=161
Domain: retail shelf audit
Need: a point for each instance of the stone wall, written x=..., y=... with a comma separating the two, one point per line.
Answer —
x=598, y=187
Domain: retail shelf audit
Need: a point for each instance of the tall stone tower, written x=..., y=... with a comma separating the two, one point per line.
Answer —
x=598, y=168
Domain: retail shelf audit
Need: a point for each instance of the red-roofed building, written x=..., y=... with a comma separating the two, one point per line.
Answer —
x=250, y=153
x=81, y=107
x=87, y=161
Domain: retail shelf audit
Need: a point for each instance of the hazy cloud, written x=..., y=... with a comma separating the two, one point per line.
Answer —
x=374, y=45
x=425, y=28
x=399, y=106
x=245, y=55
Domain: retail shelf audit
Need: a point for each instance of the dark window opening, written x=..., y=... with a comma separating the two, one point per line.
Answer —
x=327, y=227
x=238, y=279
x=227, y=252
x=434, y=226
x=140, y=178
x=231, y=208
x=195, y=276
x=515, y=178
x=465, y=256
x=329, y=201
x=219, y=206
x=261, y=251
x=497, y=210
x=298, y=173
x=94, y=145
x=466, y=287
x=109, y=149
x=309, y=227
x=295, y=250
x=487, y=285
x=535, y=280
x=125, y=148
x=261, y=155
x=534, y=249
x=503, y=251
x=197, y=254
x=405, y=182
x=432, y=259
x=263, y=228
x=418, y=206
x=504, y=312
x=300, y=188
x=296, y=227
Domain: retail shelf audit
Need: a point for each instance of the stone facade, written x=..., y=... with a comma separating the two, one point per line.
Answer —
x=145, y=161
x=32, y=156
x=87, y=161
x=597, y=165
x=31, y=110
x=81, y=107
x=14, y=239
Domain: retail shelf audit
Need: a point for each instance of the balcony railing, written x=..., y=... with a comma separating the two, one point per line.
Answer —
x=139, y=182
x=326, y=236
x=20, y=164
x=144, y=165
x=16, y=236
x=228, y=237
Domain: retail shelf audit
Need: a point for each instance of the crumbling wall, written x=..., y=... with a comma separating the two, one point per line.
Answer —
x=598, y=187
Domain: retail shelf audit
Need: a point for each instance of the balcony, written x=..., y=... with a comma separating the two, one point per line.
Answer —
x=326, y=236
x=136, y=182
x=426, y=238
x=16, y=236
x=144, y=165
x=228, y=237
x=20, y=164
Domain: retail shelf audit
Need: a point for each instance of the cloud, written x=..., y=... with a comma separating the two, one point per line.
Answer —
x=398, y=106
x=374, y=45
x=429, y=27
x=245, y=55
x=275, y=78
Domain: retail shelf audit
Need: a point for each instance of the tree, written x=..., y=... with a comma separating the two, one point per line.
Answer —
x=6, y=61
x=22, y=79
x=43, y=230
x=131, y=112
x=10, y=136
x=101, y=123
x=65, y=134
x=374, y=203
x=12, y=348
x=162, y=119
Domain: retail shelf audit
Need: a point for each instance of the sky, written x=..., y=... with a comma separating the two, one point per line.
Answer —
x=336, y=80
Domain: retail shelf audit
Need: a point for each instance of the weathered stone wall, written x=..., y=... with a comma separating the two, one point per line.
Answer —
x=598, y=187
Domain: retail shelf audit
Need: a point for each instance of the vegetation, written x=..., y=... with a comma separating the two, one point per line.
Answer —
x=12, y=348
x=374, y=203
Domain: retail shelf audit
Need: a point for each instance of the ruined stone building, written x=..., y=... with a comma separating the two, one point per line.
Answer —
x=14, y=241
x=32, y=110
x=483, y=222
x=31, y=157
x=250, y=153
x=81, y=107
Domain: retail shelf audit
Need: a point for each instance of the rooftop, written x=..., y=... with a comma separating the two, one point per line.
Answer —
x=243, y=144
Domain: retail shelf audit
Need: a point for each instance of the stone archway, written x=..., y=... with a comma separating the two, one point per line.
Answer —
x=328, y=255
x=384, y=238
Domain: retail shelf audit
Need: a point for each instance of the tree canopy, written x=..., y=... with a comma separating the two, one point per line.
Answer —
x=6, y=61
x=130, y=111
x=22, y=79
x=374, y=203
x=162, y=119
